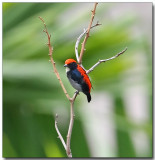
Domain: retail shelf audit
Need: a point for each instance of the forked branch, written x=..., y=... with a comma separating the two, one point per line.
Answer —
x=79, y=60
x=87, y=33
x=79, y=38
x=67, y=144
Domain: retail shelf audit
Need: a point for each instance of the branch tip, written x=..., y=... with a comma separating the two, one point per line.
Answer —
x=72, y=116
x=87, y=33
x=105, y=60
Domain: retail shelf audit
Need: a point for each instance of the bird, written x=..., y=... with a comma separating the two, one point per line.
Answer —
x=78, y=77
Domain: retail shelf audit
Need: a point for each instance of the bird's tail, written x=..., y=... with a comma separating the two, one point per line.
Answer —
x=88, y=97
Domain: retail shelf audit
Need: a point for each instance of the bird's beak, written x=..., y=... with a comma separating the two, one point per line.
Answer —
x=65, y=65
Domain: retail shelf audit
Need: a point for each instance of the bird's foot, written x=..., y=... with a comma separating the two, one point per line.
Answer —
x=77, y=92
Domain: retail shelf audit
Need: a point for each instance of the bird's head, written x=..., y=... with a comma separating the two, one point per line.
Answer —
x=70, y=64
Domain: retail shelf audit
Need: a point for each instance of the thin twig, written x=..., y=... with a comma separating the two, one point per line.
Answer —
x=68, y=141
x=77, y=44
x=87, y=34
x=78, y=41
x=105, y=60
x=68, y=150
x=66, y=146
x=52, y=60
x=59, y=134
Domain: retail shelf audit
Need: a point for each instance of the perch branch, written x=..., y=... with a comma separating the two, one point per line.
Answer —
x=68, y=141
x=52, y=60
x=87, y=34
x=68, y=150
x=67, y=144
x=105, y=60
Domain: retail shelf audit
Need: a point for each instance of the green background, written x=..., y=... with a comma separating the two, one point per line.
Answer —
x=32, y=94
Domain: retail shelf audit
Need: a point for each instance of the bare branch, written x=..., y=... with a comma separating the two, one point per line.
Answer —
x=77, y=44
x=87, y=34
x=68, y=150
x=78, y=41
x=68, y=141
x=105, y=60
x=67, y=147
x=52, y=60
x=59, y=134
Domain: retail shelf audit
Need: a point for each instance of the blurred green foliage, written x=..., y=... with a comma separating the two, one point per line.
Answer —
x=31, y=92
